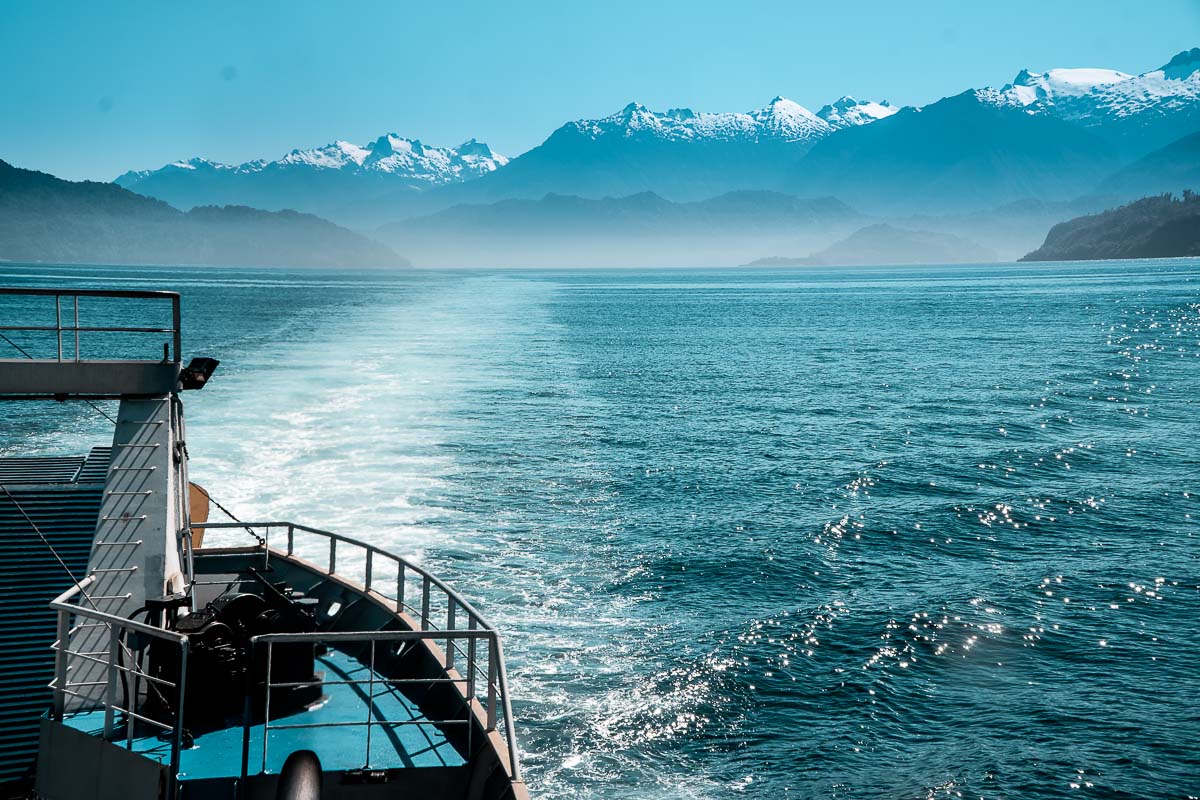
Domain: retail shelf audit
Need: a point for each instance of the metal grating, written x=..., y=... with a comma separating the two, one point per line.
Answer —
x=95, y=469
x=92, y=468
x=30, y=576
x=61, y=469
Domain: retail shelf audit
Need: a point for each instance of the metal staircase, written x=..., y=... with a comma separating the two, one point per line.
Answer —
x=62, y=497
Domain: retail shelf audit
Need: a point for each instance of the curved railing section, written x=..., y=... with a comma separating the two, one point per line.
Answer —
x=423, y=598
x=471, y=645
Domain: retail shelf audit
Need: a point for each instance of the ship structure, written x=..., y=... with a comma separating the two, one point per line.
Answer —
x=150, y=653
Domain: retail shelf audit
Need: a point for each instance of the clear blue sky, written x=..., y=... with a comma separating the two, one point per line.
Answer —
x=91, y=89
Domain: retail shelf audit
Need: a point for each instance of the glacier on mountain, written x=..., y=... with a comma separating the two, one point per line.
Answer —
x=1151, y=108
x=1047, y=88
x=781, y=120
x=847, y=112
x=390, y=154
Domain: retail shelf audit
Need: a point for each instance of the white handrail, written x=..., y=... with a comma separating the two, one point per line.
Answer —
x=117, y=628
x=369, y=548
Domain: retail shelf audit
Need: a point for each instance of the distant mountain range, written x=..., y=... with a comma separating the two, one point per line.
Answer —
x=1046, y=136
x=678, y=153
x=958, y=153
x=887, y=244
x=988, y=170
x=43, y=218
x=343, y=181
x=641, y=229
x=1153, y=227
x=1172, y=168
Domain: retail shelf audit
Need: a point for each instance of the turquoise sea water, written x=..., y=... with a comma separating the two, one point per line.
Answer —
x=870, y=533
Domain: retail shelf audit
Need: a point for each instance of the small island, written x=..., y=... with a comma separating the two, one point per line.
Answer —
x=1164, y=226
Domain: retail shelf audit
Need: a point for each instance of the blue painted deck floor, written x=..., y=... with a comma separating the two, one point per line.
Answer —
x=219, y=753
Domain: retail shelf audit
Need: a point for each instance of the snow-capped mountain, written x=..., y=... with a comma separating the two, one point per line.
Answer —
x=780, y=120
x=339, y=180
x=681, y=154
x=1042, y=90
x=389, y=154
x=1138, y=113
x=396, y=155
x=849, y=113
x=958, y=154
x=1050, y=135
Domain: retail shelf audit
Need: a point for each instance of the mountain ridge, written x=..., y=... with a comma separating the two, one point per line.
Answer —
x=44, y=218
x=1083, y=124
x=637, y=229
x=681, y=153
x=883, y=243
x=1171, y=168
x=960, y=153
x=340, y=180
x=1137, y=113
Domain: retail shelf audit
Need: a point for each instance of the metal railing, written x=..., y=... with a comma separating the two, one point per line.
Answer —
x=472, y=650
x=373, y=716
x=73, y=618
x=425, y=600
x=60, y=327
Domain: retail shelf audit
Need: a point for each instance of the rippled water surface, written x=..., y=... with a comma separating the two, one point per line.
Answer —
x=895, y=533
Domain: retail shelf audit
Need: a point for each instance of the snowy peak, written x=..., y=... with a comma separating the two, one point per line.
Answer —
x=475, y=149
x=780, y=120
x=790, y=121
x=393, y=145
x=332, y=156
x=1137, y=112
x=390, y=154
x=1051, y=86
x=193, y=165
x=1182, y=66
x=1092, y=94
x=847, y=112
x=781, y=108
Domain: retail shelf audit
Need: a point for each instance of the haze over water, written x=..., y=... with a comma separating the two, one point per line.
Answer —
x=870, y=533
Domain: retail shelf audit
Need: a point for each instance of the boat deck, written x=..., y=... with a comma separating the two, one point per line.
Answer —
x=341, y=742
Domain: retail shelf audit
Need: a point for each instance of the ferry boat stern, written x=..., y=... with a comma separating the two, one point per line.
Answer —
x=154, y=654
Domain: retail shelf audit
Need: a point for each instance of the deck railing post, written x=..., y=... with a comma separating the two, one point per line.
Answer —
x=491, y=695
x=399, y=586
x=425, y=603
x=58, y=322
x=176, y=328
x=110, y=693
x=370, y=705
x=332, y=555
x=177, y=739
x=132, y=701
x=450, y=643
x=247, y=721
x=60, y=665
x=267, y=704
x=76, y=327
x=471, y=667
x=367, y=577
x=291, y=542
x=186, y=540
